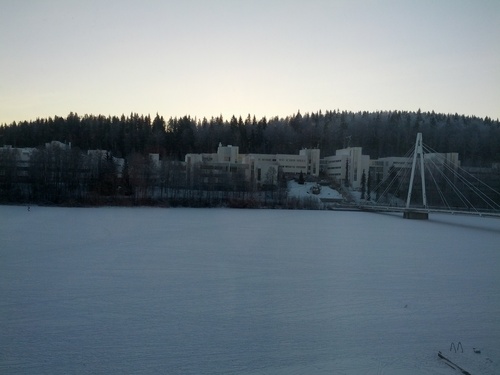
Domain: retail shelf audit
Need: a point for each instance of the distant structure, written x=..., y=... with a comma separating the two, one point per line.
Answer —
x=382, y=167
x=23, y=158
x=227, y=169
x=257, y=169
x=347, y=166
x=418, y=154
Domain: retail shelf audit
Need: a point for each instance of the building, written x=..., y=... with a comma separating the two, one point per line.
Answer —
x=225, y=169
x=15, y=161
x=98, y=157
x=255, y=169
x=381, y=168
x=221, y=170
x=347, y=166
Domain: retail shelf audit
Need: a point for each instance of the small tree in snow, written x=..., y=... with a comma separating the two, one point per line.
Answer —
x=347, y=173
x=369, y=187
x=377, y=188
x=363, y=185
x=301, y=178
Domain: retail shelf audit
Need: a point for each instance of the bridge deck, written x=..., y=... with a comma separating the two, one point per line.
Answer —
x=378, y=208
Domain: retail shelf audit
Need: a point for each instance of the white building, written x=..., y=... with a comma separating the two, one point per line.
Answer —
x=18, y=158
x=219, y=170
x=381, y=168
x=349, y=163
x=256, y=168
x=347, y=166
x=225, y=154
x=96, y=157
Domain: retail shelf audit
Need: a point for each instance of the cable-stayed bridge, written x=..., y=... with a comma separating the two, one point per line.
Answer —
x=428, y=181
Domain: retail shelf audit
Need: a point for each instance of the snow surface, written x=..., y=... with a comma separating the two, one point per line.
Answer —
x=221, y=291
x=297, y=190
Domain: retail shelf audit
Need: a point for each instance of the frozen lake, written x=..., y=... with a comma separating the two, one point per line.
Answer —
x=221, y=291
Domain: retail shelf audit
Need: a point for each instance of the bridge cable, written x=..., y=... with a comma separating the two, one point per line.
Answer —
x=440, y=192
x=457, y=166
x=394, y=178
x=457, y=191
x=455, y=188
x=446, y=164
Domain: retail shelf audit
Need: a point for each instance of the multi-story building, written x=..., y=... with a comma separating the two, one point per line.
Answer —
x=259, y=169
x=381, y=168
x=347, y=166
x=220, y=170
x=15, y=161
x=228, y=169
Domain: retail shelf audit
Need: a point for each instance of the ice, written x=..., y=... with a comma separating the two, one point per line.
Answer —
x=226, y=291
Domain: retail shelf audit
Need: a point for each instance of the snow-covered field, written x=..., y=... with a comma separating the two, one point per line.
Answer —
x=301, y=191
x=221, y=291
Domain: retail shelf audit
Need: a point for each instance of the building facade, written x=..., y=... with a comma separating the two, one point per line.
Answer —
x=256, y=170
x=226, y=169
x=347, y=166
x=381, y=168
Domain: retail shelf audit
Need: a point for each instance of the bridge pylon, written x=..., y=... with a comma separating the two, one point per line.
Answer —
x=419, y=152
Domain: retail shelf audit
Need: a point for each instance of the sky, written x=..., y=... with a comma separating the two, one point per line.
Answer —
x=207, y=58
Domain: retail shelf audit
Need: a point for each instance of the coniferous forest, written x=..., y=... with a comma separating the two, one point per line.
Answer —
x=381, y=134
x=56, y=176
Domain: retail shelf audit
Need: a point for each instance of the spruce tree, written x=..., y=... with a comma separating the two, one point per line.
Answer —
x=369, y=187
x=347, y=173
x=377, y=188
x=363, y=185
x=301, y=178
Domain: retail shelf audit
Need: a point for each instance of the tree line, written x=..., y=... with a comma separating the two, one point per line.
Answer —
x=123, y=172
x=381, y=134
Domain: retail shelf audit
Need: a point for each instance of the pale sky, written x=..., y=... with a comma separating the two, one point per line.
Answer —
x=264, y=57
